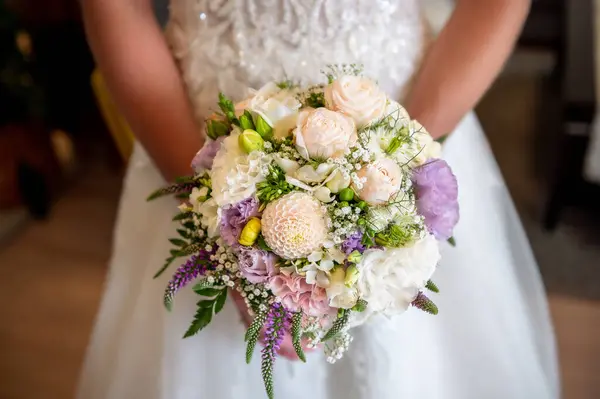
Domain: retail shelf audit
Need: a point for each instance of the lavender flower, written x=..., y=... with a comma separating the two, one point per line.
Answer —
x=195, y=266
x=235, y=217
x=256, y=265
x=204, y=158
x=353, y=243
x=437, y=197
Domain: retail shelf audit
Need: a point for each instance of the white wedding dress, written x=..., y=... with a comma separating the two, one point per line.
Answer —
x=493, y=337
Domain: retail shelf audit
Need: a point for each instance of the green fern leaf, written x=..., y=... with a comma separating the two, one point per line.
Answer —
x=220, y=301
x=202, y=318
x=178, y=242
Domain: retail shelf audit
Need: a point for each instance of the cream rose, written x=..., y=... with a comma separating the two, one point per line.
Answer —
x=390, y=280
x=382, y=179
x=358, y=97
x=321, y=134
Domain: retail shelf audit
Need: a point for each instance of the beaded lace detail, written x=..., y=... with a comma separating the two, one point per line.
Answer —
x=227, y=45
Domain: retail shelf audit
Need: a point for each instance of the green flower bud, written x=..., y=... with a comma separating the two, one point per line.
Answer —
x=360, y=306
x=351, y=276
x=263, y=128
x=250, y=141
x=250, y=232
x=362, y=205
x=215, y=129
x=246, y=121
x=354, y=257
x=347, y=194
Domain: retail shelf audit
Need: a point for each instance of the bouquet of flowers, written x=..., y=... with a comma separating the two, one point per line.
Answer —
x=321, y=206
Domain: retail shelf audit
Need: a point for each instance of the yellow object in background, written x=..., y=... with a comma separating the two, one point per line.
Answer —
x=116, y=123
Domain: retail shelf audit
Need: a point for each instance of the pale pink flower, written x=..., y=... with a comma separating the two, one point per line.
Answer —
x=296, y=294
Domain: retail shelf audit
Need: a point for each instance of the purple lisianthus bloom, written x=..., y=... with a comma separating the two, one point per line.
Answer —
x=255, y=264
x=353, y=243
x=437, y=197
x=204, y=158
x=235, y=217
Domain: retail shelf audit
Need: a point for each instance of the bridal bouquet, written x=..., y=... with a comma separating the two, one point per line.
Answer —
x=321, y=206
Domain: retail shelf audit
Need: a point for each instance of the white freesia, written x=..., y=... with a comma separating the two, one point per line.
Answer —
x=340, y=296
x=422, y=148
x=390, y=280
x=382, y=179
x=235, y=174
x=287, y=165
x=323, y=194
x=337, y=181
x=197, y=197
x=309, y=174
x=278, y=107
x=211, y=217
x=358, y=97
x=321, y=134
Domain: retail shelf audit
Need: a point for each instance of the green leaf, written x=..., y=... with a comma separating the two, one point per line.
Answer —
x=182, y=216
x=202, y=318
x=183, y=233
x=178, y=242
x=206, y=304
x=452, y=241
x=297, y=334
x=442, y=139
x=220, y=301
x=338, y=325
x=207, y=291
x=165, y=266
x=432, y=287
x=262, y=244
x=185, y=179
x=172, y=189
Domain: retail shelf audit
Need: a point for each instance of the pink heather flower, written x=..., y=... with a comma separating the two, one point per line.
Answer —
x=235, y=217
x=256, y=265
x=296, y=294
x=437, y=197
x=204, y=158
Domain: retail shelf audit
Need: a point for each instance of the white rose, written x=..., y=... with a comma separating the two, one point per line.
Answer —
x=211, y=217
x=278, y=107
x=357, y=97
x=235, y=174
x=390, y=280
x=382, y=179
x=321, y=134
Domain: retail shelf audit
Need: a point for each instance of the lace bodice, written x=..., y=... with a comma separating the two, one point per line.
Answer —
x=227, y=45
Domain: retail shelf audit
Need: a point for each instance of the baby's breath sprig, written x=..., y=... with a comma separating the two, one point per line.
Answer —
x=333, y=72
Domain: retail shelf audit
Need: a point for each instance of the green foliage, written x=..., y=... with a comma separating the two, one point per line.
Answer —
x=287, y=84
x=335, y=71
x=425, y=304
x=175, y=188
x=315, y=100
x=263, y=128
x=182, y=216
x=297, y=334
x=274, y=186
x=338, y=325
x=228, y=109
x=246, y=121
x=266, y=369
x=452, y=241
x=253, y=333
x=216, y=129
x=432, y=287
x=262, y=244
x=178, y=242
x=206, y=309
x=360, y=306
x=395, y=236
x=178, y=253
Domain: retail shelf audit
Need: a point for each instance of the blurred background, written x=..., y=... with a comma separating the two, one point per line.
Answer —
x=63, y=152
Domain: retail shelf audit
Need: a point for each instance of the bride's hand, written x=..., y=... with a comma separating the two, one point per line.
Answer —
x=286, y=348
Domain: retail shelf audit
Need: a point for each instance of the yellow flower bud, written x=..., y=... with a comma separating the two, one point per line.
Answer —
x=250, y=141
x=337, y=275
x=250, y=232
x=351, y=276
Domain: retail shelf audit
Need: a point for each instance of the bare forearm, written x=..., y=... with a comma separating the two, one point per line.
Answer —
x=464, y=61
x=131, y=52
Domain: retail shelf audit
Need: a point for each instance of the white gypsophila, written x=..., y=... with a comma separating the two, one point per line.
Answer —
x=211, y=217
x=294, y=226
x=234, y=174
x=389, y=280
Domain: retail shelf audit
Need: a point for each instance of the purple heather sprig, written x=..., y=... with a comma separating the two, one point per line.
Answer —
x=195, y=266
x=277, y=323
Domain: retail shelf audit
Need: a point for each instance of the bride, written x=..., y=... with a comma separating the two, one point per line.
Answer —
x=493, y=337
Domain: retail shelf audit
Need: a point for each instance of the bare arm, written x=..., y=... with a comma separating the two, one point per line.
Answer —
x=133, y=56
x=464, y=61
